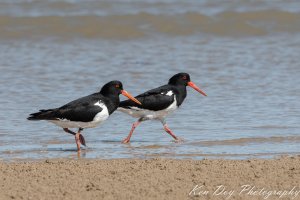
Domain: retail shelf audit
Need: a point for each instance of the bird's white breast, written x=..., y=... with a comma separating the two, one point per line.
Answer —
x=103, y=115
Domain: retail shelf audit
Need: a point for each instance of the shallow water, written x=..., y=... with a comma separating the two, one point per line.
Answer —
x=245, y=56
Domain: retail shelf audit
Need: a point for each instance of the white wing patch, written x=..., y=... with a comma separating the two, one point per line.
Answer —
x=169, y=93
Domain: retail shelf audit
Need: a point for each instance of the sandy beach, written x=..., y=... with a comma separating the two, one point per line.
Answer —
x=151, y=179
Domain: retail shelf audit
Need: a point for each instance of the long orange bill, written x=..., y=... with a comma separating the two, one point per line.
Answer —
x=193, y=85
x=126, y=94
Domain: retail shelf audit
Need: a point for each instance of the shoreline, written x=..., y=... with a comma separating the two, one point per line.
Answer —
x=151, y=179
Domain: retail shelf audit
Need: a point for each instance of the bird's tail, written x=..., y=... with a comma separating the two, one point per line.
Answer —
x=42, y=115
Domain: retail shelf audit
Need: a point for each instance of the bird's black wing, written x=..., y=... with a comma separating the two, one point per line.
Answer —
x=82, y=109
x=155, y=99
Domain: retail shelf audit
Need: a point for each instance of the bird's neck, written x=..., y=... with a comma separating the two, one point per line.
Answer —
x=112, y=101
x=181, y=93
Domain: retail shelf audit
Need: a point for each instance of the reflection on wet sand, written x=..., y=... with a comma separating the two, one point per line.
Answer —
x=247, y=141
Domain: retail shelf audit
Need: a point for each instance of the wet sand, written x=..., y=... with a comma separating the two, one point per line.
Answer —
x=151, y=179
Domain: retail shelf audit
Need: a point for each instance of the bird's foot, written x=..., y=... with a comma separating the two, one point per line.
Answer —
x=179, y=140
x=126, y=141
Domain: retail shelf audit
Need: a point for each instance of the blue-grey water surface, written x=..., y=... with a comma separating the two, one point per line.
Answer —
x=251, y=76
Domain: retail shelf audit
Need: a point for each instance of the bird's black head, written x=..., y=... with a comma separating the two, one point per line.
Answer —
x=183, y=79
x=114, y=88
x=180, y=79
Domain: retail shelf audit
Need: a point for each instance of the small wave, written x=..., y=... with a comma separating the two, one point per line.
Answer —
x=151, y=147
x=275, y=127
x=143, y=24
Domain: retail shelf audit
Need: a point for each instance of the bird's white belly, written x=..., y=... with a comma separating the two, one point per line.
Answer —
x=138, y=112
x=98, y=119
x=74, y=124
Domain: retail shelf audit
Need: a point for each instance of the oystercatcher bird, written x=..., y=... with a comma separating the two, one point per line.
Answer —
x=159, y=102
x=85, y=112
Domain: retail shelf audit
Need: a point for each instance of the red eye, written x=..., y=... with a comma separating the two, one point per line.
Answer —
x=117, y=86
x=184, y=77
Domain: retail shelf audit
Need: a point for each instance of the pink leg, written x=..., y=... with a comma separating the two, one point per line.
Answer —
x=81, y=138
x=69, y=131
x=77, y=140
x=168, y=130
x=78, y=137
x=127, y=139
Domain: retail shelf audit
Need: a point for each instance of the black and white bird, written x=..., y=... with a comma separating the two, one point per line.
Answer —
x=85, y=112
x=157, y=103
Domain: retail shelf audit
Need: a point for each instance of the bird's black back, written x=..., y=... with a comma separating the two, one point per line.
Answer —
x=82, y=109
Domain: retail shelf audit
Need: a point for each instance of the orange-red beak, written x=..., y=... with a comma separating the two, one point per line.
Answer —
x=129, y=96
x=193, y=85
